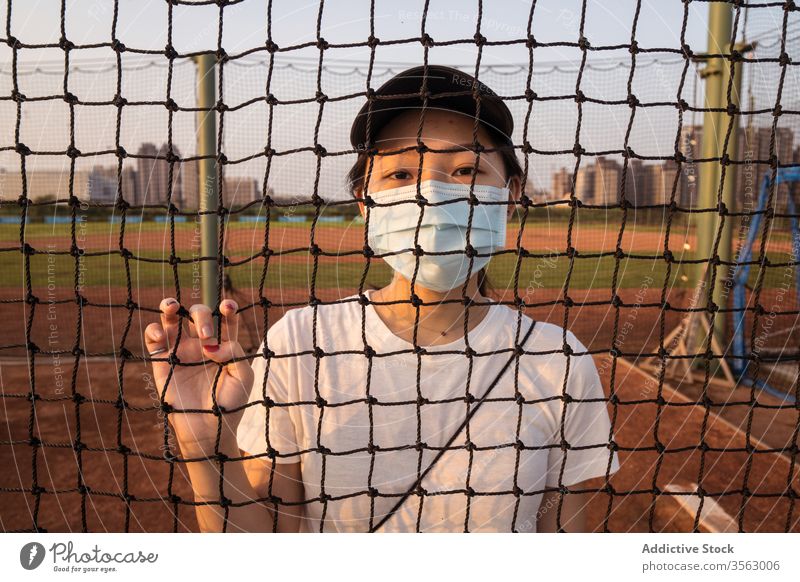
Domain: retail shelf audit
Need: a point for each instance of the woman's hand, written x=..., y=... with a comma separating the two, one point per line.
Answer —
x=191, y=387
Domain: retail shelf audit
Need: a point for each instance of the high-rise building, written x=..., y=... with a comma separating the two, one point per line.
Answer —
x=561, y=184
x=607, y=175
x=103, y=182
x=584, y=183
x=153, y=176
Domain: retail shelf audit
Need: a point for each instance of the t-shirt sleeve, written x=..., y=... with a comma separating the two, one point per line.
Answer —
x=271, y=382
x=586, y=424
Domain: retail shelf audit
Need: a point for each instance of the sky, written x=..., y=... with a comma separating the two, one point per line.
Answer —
x=143, y=25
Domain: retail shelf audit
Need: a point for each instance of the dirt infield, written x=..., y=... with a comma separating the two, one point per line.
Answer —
x=54, y=326
x=108, y=473
x=540, y=236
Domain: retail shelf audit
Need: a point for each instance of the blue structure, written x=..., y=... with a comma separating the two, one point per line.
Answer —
x=738, y=364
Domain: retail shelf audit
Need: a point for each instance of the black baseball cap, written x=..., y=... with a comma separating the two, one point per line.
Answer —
x=494, y=113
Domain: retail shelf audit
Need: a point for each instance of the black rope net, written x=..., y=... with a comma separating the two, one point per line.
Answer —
x=99, y=191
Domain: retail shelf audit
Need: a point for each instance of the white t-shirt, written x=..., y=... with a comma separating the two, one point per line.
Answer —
x=342, y=426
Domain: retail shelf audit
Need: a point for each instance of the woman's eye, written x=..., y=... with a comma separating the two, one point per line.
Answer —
x=469, y=170
x=400, y=175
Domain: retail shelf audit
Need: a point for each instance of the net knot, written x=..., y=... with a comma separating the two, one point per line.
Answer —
x=171, y=105
x=38, y=490
x=313, y=300
x=789, y=6
x=470, y=399
x=272, y=453
x=373, y=448
x=471, y=446
x=421, y=401
x=371, y=400
x=519, y=445
x=271, y=46
x=583, y=43
x=77, y=351
x=777, y=111
x=78, y=446
x=169, y=456
x=519, y=399
x=469, y=492
x=319, y=352
x=580, y=97
x=117, y=46
x=320, y=402
x=373, y=41
x=569, y=302
x=17, y=97
x=166, y=408
x=70, y=98
x=470, y=251
x=612, y=445
x=564, y=445
x=660, y=448
x=221, y=457
x=679, y=157
x=372, y=492
x=34, y=441
x=84, y=489
x=314, y=250
x=222, y=56
x=65, y=44
x=271, y=99
x=72, y=151
x=426, y=40
x=704, y=446
x=416, y=300
x=128, y=497
x=616, y=300
x=530, y=95
x=323, y=450
x=480, y=40
x=170, y=52
x=614, y=353
x=320, y=151
x=614, y=399
x=362, y=297
x=225, y=501
x=420, y=491
x=688, y=53
x=322, y=44
x=321, y=97
x=527, y=148
x=682, y=105
x=470, y=353
x=531, y=42
x=13, y=42
x=633, y=101
x=123, y=450
x=22, y=149
x=567, y=349
x=784, y=59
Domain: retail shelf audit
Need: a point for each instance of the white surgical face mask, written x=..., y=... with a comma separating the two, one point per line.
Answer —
x=393, y=224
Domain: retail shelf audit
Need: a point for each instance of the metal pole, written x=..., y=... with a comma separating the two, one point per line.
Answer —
x=719, y=41
x=724, y=279
x=207, y=179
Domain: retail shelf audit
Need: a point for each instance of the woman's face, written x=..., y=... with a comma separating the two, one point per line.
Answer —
x=442, y=129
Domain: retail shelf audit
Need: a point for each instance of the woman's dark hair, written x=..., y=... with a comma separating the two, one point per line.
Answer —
x=355, y=179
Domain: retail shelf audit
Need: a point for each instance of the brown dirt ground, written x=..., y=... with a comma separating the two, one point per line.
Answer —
x=108, y=473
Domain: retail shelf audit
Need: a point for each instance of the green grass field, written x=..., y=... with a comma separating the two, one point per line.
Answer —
x=295, y=271
x=292, y=271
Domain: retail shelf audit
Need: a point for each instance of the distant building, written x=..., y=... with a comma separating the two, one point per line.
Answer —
x=584, y=183
x=607, y=175
x=103, y=182
x=44, y=183
x=153, y=176
x=561, y=184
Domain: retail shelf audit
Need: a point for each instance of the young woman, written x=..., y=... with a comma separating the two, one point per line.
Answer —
x=355, y=399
